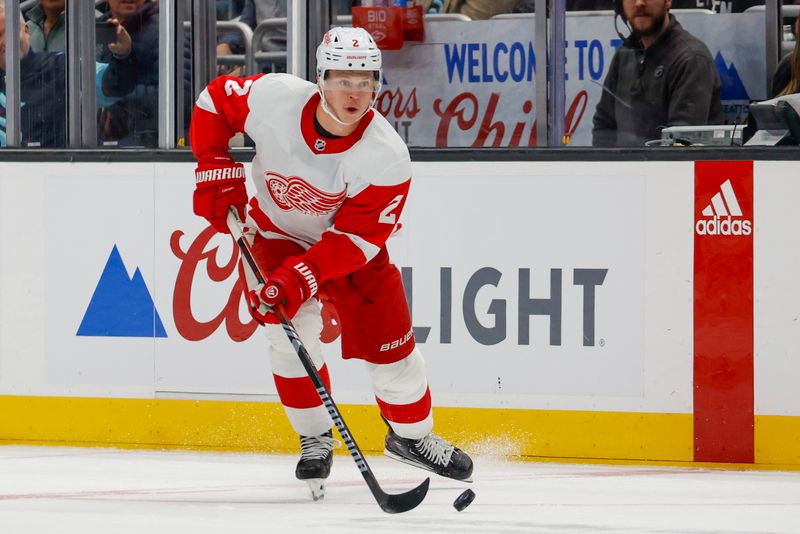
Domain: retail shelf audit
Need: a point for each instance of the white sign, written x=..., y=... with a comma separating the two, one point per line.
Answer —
x=471, y=84
x=522, y=284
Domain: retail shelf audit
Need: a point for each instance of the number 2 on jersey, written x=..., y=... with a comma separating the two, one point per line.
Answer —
x=387, y=216
x=232, y=86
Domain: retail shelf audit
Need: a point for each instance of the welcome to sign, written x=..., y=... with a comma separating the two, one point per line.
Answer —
x=472, y=84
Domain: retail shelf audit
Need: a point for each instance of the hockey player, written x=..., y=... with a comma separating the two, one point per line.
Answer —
x=331, y=178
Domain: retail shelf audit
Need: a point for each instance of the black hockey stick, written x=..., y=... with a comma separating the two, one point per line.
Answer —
x=390, y=503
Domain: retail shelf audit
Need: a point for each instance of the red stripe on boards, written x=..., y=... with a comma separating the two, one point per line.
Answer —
x=723, y=312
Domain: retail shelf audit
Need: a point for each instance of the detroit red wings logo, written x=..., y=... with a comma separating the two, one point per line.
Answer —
x=295, y=193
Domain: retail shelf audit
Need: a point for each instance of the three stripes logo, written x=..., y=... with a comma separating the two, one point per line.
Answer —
x=724, y=215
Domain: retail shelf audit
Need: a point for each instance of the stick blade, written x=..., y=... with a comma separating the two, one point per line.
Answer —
x=403, y=502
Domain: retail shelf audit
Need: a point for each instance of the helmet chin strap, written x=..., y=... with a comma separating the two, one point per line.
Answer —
x=332, y=115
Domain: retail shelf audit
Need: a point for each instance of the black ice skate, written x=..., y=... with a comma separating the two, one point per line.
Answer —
x=431, y=453
x=314, y=466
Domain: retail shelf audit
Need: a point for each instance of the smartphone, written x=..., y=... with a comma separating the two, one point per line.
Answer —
x=105, y=32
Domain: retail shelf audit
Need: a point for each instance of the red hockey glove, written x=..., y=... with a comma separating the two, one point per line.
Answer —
x=216, y=188
x=291, y=284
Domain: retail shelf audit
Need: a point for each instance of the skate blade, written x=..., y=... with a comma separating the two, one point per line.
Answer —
x=399, y=458
x=317, y=487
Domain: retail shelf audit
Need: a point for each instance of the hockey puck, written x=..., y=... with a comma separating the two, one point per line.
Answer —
x=464, y=500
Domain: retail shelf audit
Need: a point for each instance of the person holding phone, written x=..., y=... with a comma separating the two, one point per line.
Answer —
x=133, y=121
x=43, y=85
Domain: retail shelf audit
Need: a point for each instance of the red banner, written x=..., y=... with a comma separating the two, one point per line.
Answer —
x=723, y=312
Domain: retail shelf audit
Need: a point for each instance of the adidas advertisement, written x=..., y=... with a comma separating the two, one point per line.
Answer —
x=723, y=216
x=723, y=311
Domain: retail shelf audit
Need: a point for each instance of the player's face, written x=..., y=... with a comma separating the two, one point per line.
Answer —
x=349, y=93
x=24, y=40
x=646, y=17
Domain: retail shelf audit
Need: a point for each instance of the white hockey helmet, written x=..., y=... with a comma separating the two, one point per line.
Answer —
x=351, y=49
x=348, y=49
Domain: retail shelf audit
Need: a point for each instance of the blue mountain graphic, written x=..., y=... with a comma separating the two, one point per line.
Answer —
x=732, y=86
x=121, y=306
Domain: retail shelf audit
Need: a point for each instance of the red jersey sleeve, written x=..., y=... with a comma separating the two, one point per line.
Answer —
x=219, y=113
x=360, y=229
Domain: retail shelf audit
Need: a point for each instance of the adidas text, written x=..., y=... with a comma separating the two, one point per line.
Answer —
x=724, y=226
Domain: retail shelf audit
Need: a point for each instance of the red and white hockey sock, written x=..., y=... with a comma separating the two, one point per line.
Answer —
x=302, y=404
x=401, y=389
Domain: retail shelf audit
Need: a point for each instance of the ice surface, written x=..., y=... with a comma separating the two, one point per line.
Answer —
x=96, y=490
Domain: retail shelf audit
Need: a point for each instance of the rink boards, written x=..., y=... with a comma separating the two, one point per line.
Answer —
x=612, y=310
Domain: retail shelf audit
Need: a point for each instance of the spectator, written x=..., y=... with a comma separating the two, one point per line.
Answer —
x=786, y=80
x=133, y=121
x=47, y=26
x=660, y=76
x=43, y=88
x=254, y=12
x=474, y=9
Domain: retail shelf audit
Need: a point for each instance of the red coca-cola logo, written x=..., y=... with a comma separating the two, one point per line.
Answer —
x=200, y=259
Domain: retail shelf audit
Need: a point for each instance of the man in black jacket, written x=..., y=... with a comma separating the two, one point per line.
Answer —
x=43, y=88
x=660, y=76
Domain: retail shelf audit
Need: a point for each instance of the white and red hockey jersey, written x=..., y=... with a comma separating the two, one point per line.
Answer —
x=339, y=198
